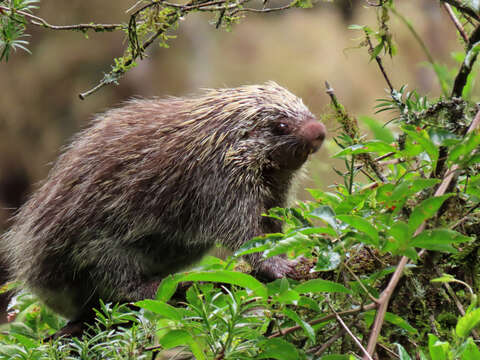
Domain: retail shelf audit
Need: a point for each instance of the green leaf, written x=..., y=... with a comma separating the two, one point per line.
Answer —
x=278, y=349
x=398, y=241
x=425, y=210
x=410, y=187
x=423, y=139
x=297, y=242
x=305, y=326
x=438, y=350
x=377, y=146
x=322, y=231
x=326, y=214
x=258, y=244
x=309, y=303
x=441, y=137
x=378, y=129
x=400, y=322
x=228, y=277
x=465, y=148
x=328, y=261
x=445, y=278
x=176, y=338
x=26, y=341
x=304, y=4
x=438, y=240
x=281, y=292
x=402, y=353
x=468, y=322
x=356, y=27
x=384, y=192
x=470, y=351
x=362, y=225
x=324, y=197
x=161, y=308
x=320, y=285
x=167, y=288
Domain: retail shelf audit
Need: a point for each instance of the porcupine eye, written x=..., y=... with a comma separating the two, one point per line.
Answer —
x=281, y=128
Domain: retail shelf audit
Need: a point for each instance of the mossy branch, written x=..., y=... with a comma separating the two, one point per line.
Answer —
x=38, y=21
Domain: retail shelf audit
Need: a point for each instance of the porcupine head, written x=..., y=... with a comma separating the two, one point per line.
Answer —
x=149, y=187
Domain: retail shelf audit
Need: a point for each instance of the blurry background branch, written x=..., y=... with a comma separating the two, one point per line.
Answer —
x=149, y=22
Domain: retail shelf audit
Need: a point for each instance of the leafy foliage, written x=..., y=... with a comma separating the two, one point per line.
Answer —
x=386, y=213
x=12, y=27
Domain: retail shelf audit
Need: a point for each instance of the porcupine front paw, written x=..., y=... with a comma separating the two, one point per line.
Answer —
x=278, y=267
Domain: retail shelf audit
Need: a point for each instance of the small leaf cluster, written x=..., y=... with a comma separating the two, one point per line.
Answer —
x=12, y=27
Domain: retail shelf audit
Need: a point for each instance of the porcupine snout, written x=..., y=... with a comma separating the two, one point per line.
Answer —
x=314, y=133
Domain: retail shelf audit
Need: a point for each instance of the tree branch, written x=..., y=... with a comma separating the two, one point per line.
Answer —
x=455, y=21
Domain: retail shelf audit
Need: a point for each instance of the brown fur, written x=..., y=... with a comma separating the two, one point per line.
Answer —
x=149, y=187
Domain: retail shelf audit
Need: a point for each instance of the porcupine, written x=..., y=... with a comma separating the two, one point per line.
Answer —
x=151, y=186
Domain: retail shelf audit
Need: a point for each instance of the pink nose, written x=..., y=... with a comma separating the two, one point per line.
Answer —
x=314, y=132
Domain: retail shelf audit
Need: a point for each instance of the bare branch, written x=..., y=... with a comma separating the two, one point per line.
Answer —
x=328, y=343
x=463, y=8
x=456, y=22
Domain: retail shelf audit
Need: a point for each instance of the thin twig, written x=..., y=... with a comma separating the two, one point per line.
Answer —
x=463, y=8
x=373, y=298
x=267, y=10
x=389, y=351
x=455, y=21
x=349, y=332
x=459, y=222
x=387, y=293
x=378, y=59
x=459, y=306
x=329, y=342
x=289, y=330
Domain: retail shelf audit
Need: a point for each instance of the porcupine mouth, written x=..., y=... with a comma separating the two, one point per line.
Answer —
x=314, y=146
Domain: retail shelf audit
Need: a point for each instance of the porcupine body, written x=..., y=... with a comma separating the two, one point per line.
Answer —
x=149, y=187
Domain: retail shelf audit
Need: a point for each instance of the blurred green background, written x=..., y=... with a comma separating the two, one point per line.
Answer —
x=299, y=49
